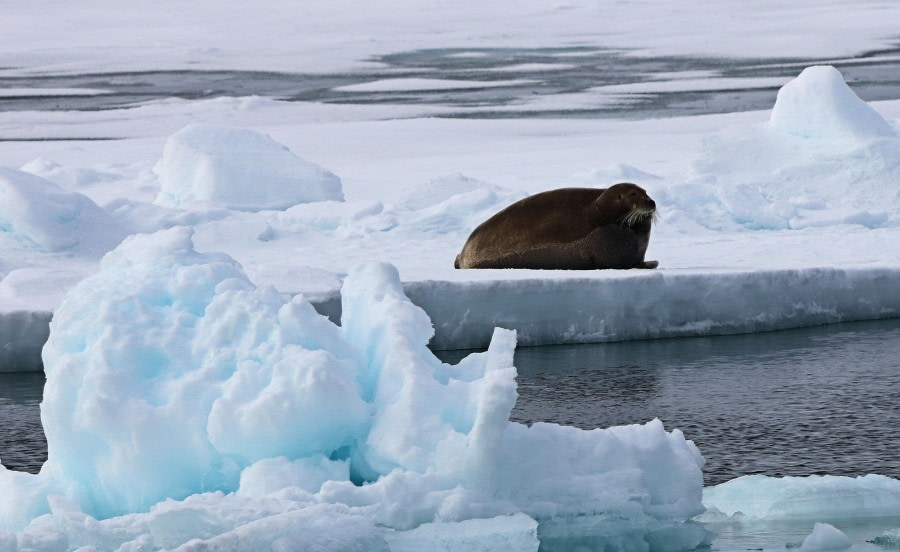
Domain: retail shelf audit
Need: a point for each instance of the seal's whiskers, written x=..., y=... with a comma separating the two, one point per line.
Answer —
x=636, y=215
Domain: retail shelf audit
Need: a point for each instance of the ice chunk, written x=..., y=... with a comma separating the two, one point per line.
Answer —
x=813, y=497
x=825, y=537
x=185, y=407
x=889, y=540
x=238, y=169
x=38, y=214
x=168, y=349
x=818, y=104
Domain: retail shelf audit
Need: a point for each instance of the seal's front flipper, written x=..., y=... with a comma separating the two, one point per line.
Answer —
x=648, y=264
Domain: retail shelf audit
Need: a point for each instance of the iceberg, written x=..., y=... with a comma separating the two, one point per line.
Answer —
x=185, y=406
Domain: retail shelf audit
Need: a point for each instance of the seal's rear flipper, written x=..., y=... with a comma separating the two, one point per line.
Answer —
x=456, y=262
x=648, y=264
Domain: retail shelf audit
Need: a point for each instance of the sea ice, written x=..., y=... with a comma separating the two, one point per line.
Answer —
x=757, y=208
x=239, y=169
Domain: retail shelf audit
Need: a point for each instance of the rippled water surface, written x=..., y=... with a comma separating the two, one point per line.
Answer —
x=796, y=402
x=22, y=443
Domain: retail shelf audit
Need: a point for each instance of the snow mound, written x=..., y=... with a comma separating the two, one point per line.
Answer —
x=813, y=497
x=184, y=404
x=826, y=158
x=825, y=537
x=818, y=104
x=238, y=169
x=37, y=214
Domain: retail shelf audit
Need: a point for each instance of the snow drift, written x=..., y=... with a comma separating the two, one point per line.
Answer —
x=238, y=169
x=36, y=214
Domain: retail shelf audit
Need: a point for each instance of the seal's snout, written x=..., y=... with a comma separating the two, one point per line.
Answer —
x=651, y=204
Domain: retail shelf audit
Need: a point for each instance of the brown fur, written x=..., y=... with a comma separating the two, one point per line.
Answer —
x=569, y=228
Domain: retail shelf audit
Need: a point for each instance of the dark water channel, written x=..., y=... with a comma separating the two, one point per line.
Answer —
x=819, y=400
x=524, y=75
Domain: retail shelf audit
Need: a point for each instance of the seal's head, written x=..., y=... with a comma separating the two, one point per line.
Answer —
x=627, y=204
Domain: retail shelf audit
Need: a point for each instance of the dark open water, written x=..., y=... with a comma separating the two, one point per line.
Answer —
x=22, y=443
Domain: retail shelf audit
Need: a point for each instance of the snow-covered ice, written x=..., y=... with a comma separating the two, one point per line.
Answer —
x=784, y=201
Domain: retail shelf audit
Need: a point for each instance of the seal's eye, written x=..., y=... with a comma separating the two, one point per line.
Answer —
x=633, y=194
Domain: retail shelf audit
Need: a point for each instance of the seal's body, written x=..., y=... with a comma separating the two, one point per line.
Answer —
x=569, y=228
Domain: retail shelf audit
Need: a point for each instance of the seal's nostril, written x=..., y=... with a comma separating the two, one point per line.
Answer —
x=651, y=203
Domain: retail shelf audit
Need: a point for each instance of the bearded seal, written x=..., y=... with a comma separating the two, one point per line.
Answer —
x=568, y=228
